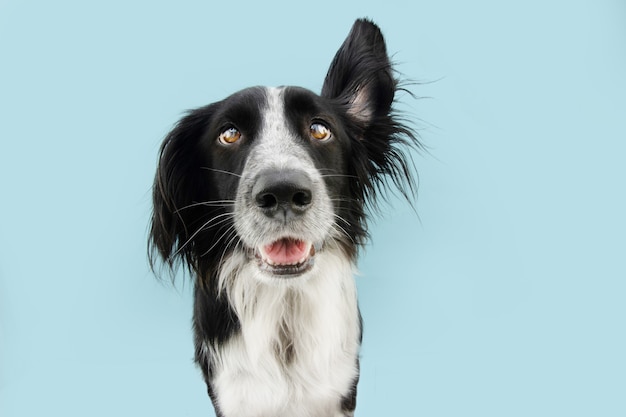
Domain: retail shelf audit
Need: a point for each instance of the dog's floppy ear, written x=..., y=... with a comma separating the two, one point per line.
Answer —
x=174, y=188
x=360, y=75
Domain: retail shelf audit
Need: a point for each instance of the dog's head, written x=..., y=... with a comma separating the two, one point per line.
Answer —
x=279, y=175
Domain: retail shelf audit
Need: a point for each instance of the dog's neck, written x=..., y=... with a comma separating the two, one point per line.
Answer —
x=301, y=335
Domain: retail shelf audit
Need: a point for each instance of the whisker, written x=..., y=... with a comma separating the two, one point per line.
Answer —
x=233, y=237
x=344, y=232
x=222, y=221
x=221, y=171
x=200, y=229
x=350, y=200
x=339, y=175
x=342, y=219
x=228, y=231
x=213, y=203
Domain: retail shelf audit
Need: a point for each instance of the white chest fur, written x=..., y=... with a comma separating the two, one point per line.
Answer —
x=296, y=353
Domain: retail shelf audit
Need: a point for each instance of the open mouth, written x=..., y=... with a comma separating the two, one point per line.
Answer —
x=286, y=257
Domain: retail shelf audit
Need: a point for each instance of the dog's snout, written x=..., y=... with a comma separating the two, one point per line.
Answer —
x=283, y=194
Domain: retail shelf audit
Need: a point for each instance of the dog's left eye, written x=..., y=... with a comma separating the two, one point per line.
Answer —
x=319, y=131
x=230, y=135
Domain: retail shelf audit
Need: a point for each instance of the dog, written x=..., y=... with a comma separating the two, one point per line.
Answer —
x=264, y=198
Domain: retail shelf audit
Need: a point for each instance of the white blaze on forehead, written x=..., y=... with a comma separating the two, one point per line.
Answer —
x=274, y=120
x=277, y=144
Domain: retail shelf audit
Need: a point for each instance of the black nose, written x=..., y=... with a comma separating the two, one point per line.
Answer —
x=282, y=194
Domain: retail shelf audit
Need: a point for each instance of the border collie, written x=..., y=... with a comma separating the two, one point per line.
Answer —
x=263, y=197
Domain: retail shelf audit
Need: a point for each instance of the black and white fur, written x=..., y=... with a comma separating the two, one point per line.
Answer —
x=250, y=180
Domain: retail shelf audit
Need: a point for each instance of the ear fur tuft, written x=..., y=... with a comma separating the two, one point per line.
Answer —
x=360, y=75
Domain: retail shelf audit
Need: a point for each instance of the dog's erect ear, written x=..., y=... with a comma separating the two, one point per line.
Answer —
x=360, y=75
x=361, y=81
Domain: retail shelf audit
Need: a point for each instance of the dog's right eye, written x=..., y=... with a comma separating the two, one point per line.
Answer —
x=230, y=135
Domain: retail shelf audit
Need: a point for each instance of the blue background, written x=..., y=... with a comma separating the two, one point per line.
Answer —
x=505, y=297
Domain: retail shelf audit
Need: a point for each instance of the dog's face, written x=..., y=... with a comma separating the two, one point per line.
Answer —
x=284, y=211
x=280, y=175
x=277, y=158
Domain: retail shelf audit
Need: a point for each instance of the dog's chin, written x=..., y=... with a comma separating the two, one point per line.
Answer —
x=285, y=258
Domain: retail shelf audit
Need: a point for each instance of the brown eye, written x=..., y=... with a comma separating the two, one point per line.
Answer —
x=230, y=135
x=319, y=131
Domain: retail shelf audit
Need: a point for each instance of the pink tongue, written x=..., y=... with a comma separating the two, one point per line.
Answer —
x=286, y=251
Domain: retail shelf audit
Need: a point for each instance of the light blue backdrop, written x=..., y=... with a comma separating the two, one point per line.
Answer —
x=505, y=298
